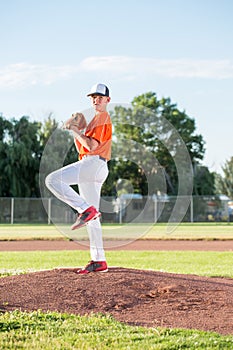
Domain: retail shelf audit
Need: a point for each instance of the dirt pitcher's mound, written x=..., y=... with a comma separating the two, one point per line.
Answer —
x=138, y=297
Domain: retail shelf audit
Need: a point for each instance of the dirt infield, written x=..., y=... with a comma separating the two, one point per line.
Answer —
x=137, y=297
x=225, y=245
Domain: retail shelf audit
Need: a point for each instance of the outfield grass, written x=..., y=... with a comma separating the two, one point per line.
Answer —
x=49, y=331
x=207, y=231
x=203, y=263
x=29, y=232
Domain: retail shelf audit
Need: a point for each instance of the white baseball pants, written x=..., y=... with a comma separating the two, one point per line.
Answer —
x=89, y=174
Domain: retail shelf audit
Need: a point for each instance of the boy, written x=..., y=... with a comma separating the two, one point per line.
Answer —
x=89, y=173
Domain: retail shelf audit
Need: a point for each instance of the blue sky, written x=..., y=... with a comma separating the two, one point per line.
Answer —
x=53, y=51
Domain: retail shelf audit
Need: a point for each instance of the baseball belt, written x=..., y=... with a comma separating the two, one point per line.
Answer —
x=90, y=155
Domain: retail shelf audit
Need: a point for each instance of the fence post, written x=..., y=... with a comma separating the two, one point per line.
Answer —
x=191, y=209
x=120, y=212
x=12, y=210
x=49, y=211
x=155, y=210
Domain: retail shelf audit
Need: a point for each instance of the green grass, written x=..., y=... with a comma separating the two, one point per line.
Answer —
x=208, y=231
x=29, y=232
x=205, y=263
x=194, y=231
x=49, y=331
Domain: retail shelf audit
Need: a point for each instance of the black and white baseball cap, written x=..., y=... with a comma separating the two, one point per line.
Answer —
x=99, y=89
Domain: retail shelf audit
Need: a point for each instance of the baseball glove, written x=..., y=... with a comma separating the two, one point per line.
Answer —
x=76, y=119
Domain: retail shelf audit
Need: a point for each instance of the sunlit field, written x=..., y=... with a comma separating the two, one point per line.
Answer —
x=208, y=231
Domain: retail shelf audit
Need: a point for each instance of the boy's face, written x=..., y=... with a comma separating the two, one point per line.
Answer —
x=100, y=102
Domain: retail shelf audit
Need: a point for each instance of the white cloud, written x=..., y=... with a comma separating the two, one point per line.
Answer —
x=180, y=68
x=25, y=74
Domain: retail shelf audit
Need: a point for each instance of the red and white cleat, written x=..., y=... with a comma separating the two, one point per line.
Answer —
x=94, y=266
x=88, y=215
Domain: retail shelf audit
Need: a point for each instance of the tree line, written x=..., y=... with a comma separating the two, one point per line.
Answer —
x=149, y=140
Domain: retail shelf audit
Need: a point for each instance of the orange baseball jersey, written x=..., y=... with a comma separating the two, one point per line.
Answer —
x=100, y=129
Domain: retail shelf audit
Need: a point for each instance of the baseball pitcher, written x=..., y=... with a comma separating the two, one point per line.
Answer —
x=93, y=143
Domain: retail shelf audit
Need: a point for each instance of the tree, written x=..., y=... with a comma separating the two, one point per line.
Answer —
x=119, y=169
x=160, y=139
x=24, y=145
x=59, y=143
x=224, y=183
x=20, y=150
x=203, y=181
x=58, y=150
x=5, y=126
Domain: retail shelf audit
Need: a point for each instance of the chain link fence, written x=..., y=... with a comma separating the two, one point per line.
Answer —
x=125, y=209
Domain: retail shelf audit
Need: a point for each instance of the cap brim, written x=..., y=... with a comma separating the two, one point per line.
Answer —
x=96, y=93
